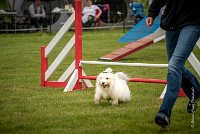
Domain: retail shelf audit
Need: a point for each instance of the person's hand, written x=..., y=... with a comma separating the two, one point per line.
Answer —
x=95, y=18
x=149, y=22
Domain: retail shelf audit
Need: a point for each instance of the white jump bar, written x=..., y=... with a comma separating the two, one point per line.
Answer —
x=122, y=64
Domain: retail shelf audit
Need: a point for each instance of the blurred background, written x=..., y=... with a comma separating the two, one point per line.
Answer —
x=14, y=14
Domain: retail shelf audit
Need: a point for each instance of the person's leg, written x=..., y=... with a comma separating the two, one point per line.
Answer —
x=189, y=81
x=84, y=18
x=44, y=22
x=34, y=22
x=40, y=21
x=177, y=55
x=191, y=86
x=171, y=41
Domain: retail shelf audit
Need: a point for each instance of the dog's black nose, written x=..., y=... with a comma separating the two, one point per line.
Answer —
x=103, y=83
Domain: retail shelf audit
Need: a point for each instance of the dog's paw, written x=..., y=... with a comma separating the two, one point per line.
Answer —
x=114, y=102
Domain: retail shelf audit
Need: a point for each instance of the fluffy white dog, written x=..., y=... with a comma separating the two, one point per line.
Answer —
x=112, y=87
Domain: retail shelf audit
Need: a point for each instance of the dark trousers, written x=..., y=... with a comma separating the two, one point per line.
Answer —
x=180, y=44
x=37, y=22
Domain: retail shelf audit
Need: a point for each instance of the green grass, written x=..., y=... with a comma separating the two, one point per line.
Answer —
x=26, y=107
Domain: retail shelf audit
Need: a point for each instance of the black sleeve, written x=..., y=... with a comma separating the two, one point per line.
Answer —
x=155, y=7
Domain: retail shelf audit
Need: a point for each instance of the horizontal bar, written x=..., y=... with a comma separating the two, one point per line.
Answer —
x=55, y=84
x=145, y=80
x=123, y=64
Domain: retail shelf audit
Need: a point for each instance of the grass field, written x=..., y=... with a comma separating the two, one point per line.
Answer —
x=26, y=107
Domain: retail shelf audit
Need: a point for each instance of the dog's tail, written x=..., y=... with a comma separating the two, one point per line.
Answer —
x=108, y=70
x=122, y=76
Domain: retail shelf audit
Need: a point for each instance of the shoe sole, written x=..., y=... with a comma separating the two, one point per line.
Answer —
x=164, y=125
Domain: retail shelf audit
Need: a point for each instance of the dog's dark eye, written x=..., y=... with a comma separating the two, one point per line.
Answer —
x=107, y=78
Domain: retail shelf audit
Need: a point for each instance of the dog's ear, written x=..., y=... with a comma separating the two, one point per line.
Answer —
x=97, y=80
x=98, y=77
x=108, y=70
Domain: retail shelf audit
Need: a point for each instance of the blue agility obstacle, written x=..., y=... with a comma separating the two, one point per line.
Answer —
x=140, y=30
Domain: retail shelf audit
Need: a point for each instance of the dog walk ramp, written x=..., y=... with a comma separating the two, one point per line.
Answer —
x=158, y=35
x=139, y=37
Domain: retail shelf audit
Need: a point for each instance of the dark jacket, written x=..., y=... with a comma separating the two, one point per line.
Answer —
x=177, y=13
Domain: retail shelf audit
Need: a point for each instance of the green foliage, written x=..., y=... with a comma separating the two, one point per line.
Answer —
x=26, y=107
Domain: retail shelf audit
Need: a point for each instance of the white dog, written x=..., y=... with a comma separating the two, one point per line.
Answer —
x=112, y=87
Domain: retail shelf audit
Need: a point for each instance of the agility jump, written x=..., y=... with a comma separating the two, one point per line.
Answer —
x=78, y=77
x=75, y=73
